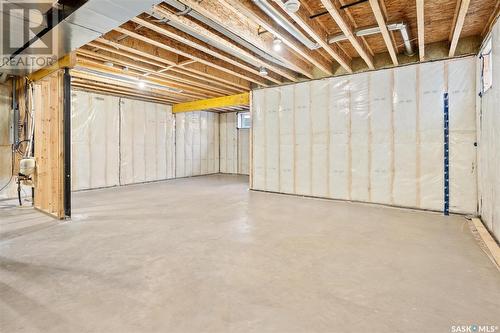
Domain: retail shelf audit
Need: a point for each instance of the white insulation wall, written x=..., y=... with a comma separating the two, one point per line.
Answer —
x=118, y=141
x=147, y=142
x=489, y=144
x=228, y=142
x=243, y=151
x=95, y=152
x=372, y=137
x=197, y=143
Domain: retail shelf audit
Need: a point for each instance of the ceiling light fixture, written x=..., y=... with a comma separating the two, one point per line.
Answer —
x=277, y=44
x=108, y=63
x=292, y=6
x=263, y=71
x=141, y=84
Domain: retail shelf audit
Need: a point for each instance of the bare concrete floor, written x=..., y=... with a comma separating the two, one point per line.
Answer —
x=206, y=255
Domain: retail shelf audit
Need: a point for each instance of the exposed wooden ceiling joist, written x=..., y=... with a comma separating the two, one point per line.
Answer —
x=342, y=21
x=383, y=29
x=313, y=28
x=154, y=54
x=240, y=51
x=457, y=30
x=186, y=39
x=238, y=24
x=249, y=9
x=157, y=39
x=421, y=29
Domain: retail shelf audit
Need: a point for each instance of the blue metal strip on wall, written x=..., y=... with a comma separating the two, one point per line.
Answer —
x=446, y=209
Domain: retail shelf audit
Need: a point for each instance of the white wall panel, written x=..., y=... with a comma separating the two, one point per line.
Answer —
x=462, y=87
x=360, y=132
x=373, y=137
x=94, y=140
x=259, y=138
x=340, y=142
x=489, y=142
x=405, y=138
x=320, y=138
x=382, y=128
x=243, y=151
x=273, y=100
x=431, y=122
x=228, y=142
x=196, y=143
x=287, y=141
x=303, y=136
x=145, y=141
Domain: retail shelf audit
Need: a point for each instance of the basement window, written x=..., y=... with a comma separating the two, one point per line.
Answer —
x=244, y=120
x=486, y=67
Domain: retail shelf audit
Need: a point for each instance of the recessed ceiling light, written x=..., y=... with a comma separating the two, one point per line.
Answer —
x=108, y=63
x=141, y=84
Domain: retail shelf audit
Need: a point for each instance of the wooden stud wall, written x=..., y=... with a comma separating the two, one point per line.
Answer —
x=49, y=148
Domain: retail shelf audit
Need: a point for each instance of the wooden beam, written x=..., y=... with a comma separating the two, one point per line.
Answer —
x=315, y=30
x=245, y=54
x=421, y=29
x=157, y=39
x=213, y=103
x=341, y=20
x=383, y=29
x=234, y=21
x=68, y=61
x=250, y=10
x=464, y=6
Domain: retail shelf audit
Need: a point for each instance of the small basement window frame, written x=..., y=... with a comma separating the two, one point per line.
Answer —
x=486, y=66
x=244, y=120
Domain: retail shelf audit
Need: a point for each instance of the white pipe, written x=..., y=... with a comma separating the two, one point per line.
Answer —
x=401, y=27
x=273, y=14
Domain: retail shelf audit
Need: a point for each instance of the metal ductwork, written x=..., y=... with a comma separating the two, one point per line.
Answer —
x=270, y=11
x=90, y=20
x=185, y=10
x=401, y=27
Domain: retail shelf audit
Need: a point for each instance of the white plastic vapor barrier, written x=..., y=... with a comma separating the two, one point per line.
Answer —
x=228, y=142
x=488, y=118
x=197, y=143
x=147, y=141
x=95, y=152
x=243, y=151
x=371, y=137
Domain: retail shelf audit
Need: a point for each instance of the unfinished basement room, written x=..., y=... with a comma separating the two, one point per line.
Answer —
x=279, y=166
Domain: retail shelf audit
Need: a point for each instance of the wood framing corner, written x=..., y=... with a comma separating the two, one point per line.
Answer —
x=488, y=240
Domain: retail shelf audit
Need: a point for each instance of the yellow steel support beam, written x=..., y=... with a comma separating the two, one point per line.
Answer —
x=213, y=103
x=68, y=61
